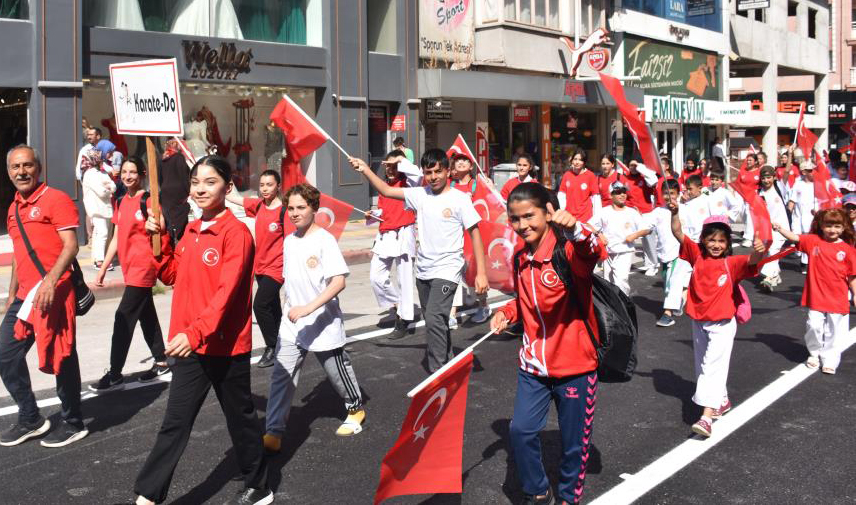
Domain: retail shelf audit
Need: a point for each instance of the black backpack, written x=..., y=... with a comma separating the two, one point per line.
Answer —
x=615, y=314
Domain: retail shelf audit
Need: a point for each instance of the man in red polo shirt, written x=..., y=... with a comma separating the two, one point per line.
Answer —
x=50, y=221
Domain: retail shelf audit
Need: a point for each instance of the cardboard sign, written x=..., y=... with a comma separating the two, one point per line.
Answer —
x=146, y=98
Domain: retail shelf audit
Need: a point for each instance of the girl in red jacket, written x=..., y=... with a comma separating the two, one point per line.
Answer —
x=831, y=272
x=710, y=304
x=558, y=361
x=210, y=336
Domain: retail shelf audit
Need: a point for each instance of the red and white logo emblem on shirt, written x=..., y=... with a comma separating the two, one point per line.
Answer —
x=550, y=278
x=583, y=186
x=447, y=213
x=273, y=227
x=139, y=215
x=35, y=212
x=722, y=280
x=840, y=255
x=210, y=256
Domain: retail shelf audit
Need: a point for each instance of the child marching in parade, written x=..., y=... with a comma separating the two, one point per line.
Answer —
x=831, y=272
x=139, y=271
x=712, y=307
x=267, y=266
x=558, y=360
x=210, y=335
x=315, y=272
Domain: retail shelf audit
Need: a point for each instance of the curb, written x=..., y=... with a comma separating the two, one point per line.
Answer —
x=114, y=288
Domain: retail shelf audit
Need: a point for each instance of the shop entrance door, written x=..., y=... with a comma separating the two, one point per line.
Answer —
x=378, y=137
x=669, y=143
x=13, y=131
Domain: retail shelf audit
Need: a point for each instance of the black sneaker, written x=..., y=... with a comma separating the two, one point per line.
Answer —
x=268, y=357
x=63, y=435
x=546, y=499
x=250, y=496
x=389, y=320
x=665, y=321
x=400, y=329
x=154, y=372
x=109, y=382
x=20, y=433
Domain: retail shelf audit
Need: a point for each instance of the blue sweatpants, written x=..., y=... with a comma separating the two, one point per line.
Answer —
x=575, y=398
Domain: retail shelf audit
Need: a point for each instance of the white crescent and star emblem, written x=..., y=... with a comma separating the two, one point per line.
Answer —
x=840, y=255
x=583, y=186
x=210, y=256
x=481, y=202
x=272, y=227
x=550, y=278
x=138, y=215
x=329, y=213
x=722, y=279
x=440, y=394
x=35, y=212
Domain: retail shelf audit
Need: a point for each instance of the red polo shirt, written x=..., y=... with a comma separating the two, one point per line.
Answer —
x=135, y=247
x=269, y=238
x=46, y=212
x=212, y=272
x=578, y=189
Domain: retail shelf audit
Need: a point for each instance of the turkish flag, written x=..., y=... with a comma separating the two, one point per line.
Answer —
x=333, y=215
x=828, y=196
x=459, y=146
x=850, y=128
x=634, y=123
x=805, y=138
x=500, y=243
x=488, y=204
x=746, y=186
x=303, y=136
x=428, y=454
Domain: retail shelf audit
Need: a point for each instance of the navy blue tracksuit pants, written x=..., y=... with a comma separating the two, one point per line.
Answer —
x=575, y=398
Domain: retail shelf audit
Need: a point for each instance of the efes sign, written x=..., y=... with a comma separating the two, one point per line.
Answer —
x=223, y=63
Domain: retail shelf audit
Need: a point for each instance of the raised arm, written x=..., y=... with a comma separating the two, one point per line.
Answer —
x=481, y=286
x=677, y=230
x=788, y=234
x=376, y=182
x=235, y=197
x=758, y=251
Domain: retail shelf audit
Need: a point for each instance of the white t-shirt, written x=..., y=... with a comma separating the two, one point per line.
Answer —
x=440, y=223
x=692, y=214
x=616, y=225
x=724, y=203
x=660, y=221
x=802, y=194
x=309, y=262
x=776, y=209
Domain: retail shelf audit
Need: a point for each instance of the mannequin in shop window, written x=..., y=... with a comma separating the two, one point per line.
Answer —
x=212, y=132
x=195, y=136
x=193, y=17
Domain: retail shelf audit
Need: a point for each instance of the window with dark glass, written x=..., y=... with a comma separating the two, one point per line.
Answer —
x=700, y=13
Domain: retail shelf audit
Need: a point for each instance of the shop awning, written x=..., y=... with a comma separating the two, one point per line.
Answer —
x=469, y=85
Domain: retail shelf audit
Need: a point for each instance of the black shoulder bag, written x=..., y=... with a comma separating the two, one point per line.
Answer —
x=82, y=294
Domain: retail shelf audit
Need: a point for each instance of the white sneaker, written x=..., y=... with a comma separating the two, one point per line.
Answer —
x=651, y=272
x=481, y=315
x=453, y=323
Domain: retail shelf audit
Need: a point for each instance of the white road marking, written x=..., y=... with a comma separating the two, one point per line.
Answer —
x=673, y=461
x=86, y=394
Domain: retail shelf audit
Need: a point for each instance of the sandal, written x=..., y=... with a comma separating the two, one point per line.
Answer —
x=812, y=362
x=353, y=424
x=828, y=370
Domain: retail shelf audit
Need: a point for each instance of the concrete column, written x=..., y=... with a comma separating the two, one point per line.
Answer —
x=55, y=107
x=821, y=101
x=769, y=97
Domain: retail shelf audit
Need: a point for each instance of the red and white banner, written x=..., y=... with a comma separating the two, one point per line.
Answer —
x=428, y=454
x=746, y=186
x=634, y=123
x=302, y=134
x=500, y=243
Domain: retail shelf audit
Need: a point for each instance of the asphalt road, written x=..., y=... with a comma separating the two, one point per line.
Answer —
x=799, y=450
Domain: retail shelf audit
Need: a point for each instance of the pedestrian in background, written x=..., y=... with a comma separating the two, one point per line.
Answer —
x=40, y=307
x=269, y=214
x=831, y=273
x=579, y=188
x=803, y=205
x=139, y=272
x=525, y=166
x=558, y=361
x=98, y=189
x=399, y=144
x=315, y=272
x=210, y=336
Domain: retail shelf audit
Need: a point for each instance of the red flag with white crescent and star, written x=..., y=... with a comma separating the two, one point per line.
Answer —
x=333, y=215
x=302, y=135
x=500, y=243
x=850, y=128
x=428, y=454
x=828, y=196
x=494, y=203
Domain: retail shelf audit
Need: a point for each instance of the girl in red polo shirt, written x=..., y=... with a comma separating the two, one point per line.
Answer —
x=139, y=271
x=831, y=271
x=710, y=304
x=608, y=174
x=558, y=361
x=579, y=185
x=267, y=267
x=525, y=173
x=210, y=335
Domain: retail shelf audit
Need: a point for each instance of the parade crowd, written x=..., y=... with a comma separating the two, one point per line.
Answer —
x=598, y=216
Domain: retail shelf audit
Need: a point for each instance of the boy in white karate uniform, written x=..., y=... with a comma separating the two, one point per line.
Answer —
x=803, y=204
x=695, y=209
x=769, y=191
x=722, y=201
x=619, y=225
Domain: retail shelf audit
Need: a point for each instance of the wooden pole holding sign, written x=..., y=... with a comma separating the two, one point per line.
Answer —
x=154, y=190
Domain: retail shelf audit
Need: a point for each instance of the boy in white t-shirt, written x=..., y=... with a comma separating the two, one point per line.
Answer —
x=676, y=272
x=803, y=204
x=721, y=200
x=695, y=209
x=770, y=192
x=442, y=215
x=618, y=224
x=314, y=272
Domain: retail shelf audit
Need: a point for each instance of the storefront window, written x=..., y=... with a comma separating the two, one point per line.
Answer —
x=14, y=9
x=499, y=134
x=228, y=118
x=286, y=21
x=700, y=13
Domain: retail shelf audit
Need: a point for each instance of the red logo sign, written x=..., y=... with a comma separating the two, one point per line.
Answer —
x=399, y=123
x=598, y=58
x=522, y=114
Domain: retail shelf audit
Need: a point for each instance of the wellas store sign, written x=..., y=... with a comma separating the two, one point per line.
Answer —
x=223, y=63
x=446, y=31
